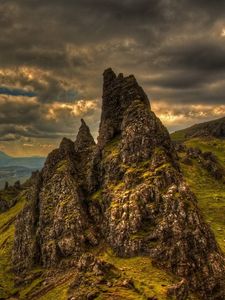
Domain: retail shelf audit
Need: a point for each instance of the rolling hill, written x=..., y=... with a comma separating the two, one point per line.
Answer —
x=214, y=128
x=210, y=191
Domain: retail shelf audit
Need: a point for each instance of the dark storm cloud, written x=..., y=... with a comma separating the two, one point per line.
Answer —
x=16, y=112
x=208, y=56
x=47, y=87
x=37, y=33
x=15, y=92
x=191, y=72
x=213, y=9
x=58, y=49
x=21, y=117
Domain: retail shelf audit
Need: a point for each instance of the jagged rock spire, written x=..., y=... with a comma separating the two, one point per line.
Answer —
x=108, y=76
x=84, y=138
x=6, y=186
x=84, y=198
x=118, y=93
x=65, y=144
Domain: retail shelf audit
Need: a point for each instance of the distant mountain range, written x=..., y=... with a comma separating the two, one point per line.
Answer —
x=18, y=168
x=214, y=128
x=34, y=162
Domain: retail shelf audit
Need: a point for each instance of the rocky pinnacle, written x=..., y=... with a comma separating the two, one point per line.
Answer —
x=84, y=138
x=126, y=192
x=118, y=93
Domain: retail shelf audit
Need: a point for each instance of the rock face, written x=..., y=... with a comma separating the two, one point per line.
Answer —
x=8, y=196
x=118, y=93
x=127, y=192
x=84, y=138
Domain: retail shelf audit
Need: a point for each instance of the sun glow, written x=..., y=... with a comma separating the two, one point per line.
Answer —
x=223, y=32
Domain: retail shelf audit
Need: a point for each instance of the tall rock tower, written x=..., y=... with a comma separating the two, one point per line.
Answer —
x=125, y=192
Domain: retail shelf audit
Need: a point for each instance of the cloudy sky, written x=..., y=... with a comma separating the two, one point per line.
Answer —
x=53, y=53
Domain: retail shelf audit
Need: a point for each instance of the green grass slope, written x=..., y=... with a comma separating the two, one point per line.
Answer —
x=148, y=281
x=6, y=242
x=215, y=145
x=214, y=128
x=209, y=191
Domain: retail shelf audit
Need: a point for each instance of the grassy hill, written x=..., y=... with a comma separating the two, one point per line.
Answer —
x=210, y=192
x=214, y=128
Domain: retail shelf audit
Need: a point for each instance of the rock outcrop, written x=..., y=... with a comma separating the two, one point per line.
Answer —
x=127, y=192
x=118, y=93
x=84, y=138
x=207, y=160
x=9, y=196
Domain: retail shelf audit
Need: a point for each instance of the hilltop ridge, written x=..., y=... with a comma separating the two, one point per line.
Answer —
x=214, y=128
